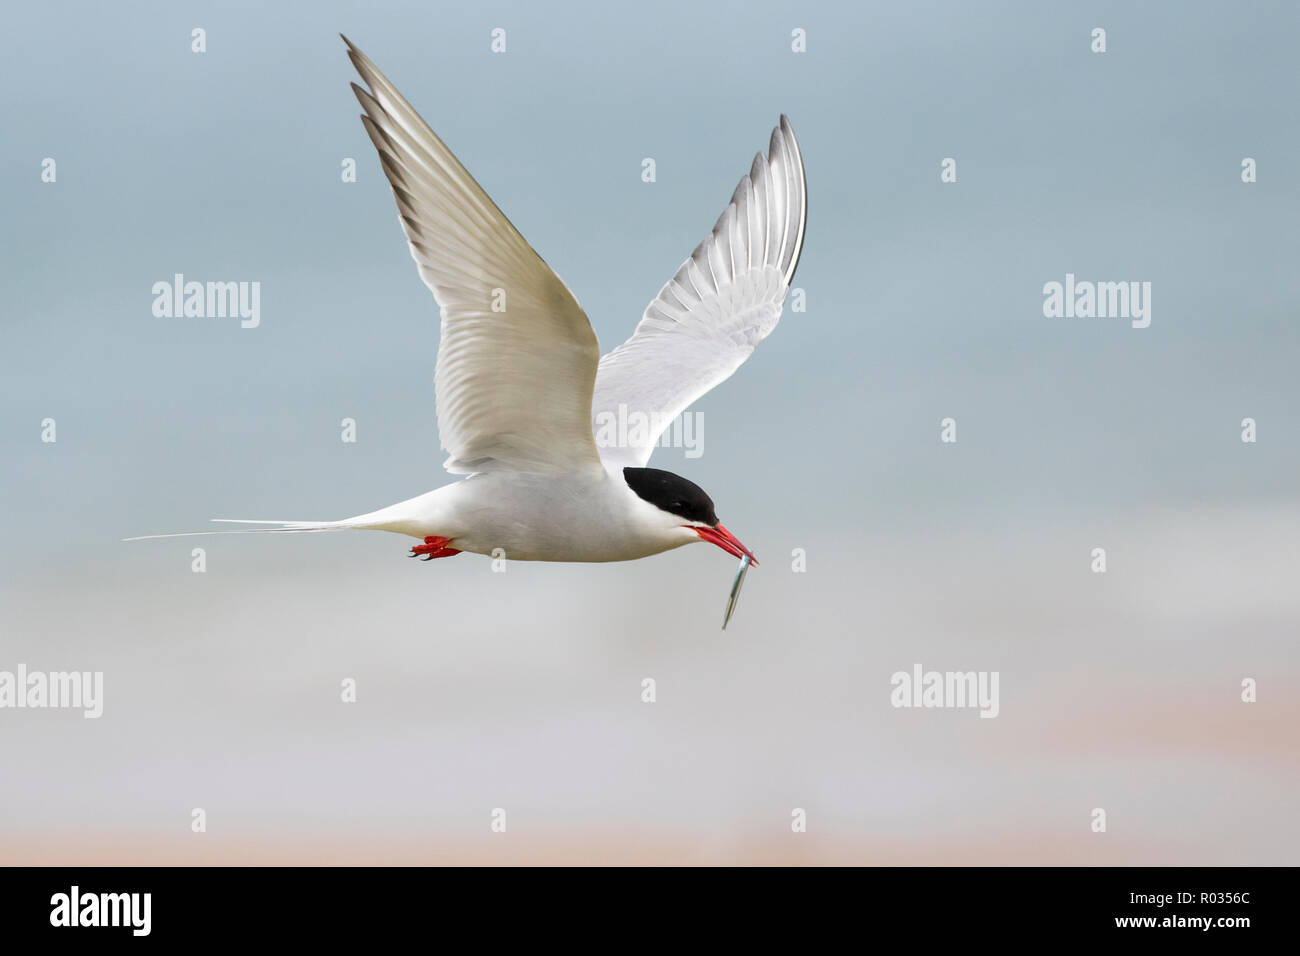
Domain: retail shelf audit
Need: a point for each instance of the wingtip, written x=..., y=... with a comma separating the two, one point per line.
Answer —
x=360, y=62
x=787, y=128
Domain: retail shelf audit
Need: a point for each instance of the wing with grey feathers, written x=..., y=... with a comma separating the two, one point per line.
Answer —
x=724, y=300
x=517, y=358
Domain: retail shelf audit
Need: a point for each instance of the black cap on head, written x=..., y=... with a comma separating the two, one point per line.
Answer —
x=671, y=493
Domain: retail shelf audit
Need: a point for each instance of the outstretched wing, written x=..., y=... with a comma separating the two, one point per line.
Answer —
x=708, y=318
x=517, y=359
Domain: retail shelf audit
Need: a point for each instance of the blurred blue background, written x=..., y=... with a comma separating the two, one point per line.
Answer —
x=522, y=690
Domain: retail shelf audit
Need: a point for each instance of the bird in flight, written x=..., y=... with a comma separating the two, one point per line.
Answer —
x=520, y=379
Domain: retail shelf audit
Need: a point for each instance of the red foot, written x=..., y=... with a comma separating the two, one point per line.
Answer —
x=434, y=547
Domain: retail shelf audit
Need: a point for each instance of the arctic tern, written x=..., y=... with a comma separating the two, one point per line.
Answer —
x=520, y=378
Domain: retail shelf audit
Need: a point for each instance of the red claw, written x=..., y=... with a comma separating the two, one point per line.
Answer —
x=434, y=547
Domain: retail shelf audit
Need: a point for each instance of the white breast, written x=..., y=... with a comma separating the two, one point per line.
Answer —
x=528, y=517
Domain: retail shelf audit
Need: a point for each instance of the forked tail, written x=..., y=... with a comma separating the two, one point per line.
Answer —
x=282, y=526
x=417, y=517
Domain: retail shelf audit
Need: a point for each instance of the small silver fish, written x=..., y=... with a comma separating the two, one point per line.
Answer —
x=745, y=562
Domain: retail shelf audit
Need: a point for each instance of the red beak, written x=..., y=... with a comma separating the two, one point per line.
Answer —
x=725, y=540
